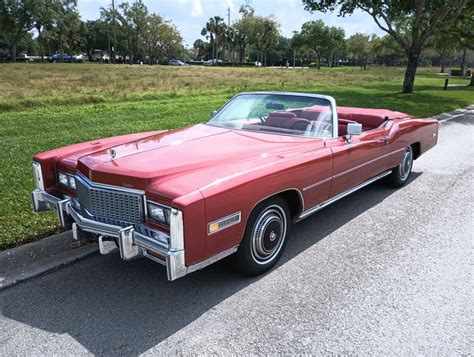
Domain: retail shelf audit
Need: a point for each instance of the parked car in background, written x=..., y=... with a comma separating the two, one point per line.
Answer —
x=188, y=197
x=176, y=63
x=61, y=58
x=81, y=58
x=212, y=62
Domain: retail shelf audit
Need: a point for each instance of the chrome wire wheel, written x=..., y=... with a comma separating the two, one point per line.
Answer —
x=268, y=234
x=406, y=163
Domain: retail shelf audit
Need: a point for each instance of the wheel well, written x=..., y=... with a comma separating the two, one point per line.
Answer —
x=416, y=150
x=295, y=202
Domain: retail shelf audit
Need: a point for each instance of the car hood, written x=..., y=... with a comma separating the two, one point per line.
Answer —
x=166, y=155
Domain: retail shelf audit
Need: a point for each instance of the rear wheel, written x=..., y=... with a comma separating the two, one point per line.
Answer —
x=401, y=173
x=265, y=237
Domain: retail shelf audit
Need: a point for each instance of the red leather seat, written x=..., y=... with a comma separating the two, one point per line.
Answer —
x=369, y=118
x=286, y=120
x=342, y=126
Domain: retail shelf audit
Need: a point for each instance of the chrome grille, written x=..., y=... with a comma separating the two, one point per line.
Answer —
x=109, y=205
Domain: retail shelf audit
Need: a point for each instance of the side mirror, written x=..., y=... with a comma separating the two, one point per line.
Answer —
x=214, y=112
x=354, y=129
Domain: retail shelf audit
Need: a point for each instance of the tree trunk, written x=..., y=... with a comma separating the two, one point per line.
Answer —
x=40, y=42
x=472, y=79
x=463, y=62
x=410, y=73
x=14, y=43
x=213, y=53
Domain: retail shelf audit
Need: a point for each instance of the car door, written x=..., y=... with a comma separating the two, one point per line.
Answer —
x=358, y=159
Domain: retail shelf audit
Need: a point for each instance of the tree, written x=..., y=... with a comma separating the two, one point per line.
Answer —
x=96, y=36
x=386, y=51
x=280, y=51
x=410, y=23
x=133, y=22
x=241, y=40
x=46, y=12
x=202, y=49
x=65, y=33
x=17, y=18
x=266, y=35
x=215, y=31
x=313, y=36
x=445, y=43
x=231, y=36
x=162, y=39
x=335, y=43
x=358, y=48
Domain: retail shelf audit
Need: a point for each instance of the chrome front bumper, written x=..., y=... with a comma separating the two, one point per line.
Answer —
x=155, y=245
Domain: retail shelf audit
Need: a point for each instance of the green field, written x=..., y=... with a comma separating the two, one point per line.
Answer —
x=43, y=106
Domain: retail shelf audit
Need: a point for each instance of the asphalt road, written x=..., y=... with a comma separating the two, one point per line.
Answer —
x=383, y=272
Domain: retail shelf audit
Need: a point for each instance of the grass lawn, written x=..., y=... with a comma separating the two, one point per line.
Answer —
x=43, y=106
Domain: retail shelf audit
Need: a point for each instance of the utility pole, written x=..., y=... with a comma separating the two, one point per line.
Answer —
x=228, y=16
x=114, y=46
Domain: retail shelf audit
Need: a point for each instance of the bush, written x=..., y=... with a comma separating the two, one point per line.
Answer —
x=458, y=72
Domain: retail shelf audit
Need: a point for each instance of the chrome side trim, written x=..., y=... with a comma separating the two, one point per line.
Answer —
x=317, y=184
x=316, y=208
x=277, y=193
x=367, y=163
x=237, y=215
x=212, y=259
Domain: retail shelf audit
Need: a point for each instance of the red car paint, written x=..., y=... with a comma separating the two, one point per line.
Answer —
x=209, y=172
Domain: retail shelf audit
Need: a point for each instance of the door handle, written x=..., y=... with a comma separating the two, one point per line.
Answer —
x=384, y=140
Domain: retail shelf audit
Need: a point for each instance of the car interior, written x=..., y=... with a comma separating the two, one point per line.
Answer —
x=300, y=119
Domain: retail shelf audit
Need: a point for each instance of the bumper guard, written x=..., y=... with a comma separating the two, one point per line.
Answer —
x=167, y=250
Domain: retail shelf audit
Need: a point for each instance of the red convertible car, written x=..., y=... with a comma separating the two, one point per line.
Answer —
x=188, y=197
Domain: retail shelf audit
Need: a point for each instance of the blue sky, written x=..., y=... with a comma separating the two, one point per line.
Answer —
x=191, y=15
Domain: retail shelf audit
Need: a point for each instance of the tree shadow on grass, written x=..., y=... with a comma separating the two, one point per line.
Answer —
x=112, y=307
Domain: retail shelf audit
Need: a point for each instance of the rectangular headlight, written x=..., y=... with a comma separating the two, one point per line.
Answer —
x=72, y=182
x=67, y=181
x=159, y=213
x=63, y=180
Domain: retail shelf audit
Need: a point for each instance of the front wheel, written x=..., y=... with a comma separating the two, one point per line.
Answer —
x=265, y=237
x=401, y=173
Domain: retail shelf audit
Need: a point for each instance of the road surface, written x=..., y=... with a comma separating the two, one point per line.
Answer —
x=380, y=272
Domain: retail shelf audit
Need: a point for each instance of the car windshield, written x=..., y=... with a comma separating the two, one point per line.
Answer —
x=288, y=114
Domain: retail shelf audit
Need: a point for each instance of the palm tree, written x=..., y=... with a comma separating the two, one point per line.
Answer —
x=241, y=41
x=231, y=40
x=214, y=30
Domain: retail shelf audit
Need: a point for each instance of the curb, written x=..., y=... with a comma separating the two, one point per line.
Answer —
x=454, y=114
x=33, y=259
x=36, y=258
